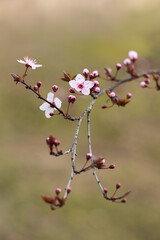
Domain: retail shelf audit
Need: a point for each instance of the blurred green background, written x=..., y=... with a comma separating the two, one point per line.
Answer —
x=69, y=36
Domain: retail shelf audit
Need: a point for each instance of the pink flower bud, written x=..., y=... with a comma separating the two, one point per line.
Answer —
x=58, y=191
x=91, y=76
x=71, y=99
x=127, y=61
x=69, y=190
x=96, y=83
x=105, y=190
x=39, y=84
x=118, y=66
x=124, y=200
x=147, y=81
x=95, y=73
x=47, y=140
x=85, y=72
x=96, y=89
x=112, y=94
x=112, y=166
x=71, y=90
x=57, y=142
x=143, y=84
x=146, y=75
x=53, y=207
x=118, y=185
x=36, y=88
x=133, y=55
x=129, y=95
x=88, y=156
x=55, y=88
x=103, y=106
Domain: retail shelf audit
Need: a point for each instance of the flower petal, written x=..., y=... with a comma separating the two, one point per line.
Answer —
x=58, y=103
x=86, y=91
x=79, y=78
x=44, y=106
x=50, y=97
x=20, y=61
x=73, y=83
x=48, y=111
x=88, y=84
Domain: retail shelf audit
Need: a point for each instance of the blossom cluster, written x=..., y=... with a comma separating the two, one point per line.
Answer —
x=86, y=84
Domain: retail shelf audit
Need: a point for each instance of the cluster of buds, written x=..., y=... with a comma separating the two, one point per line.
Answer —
x=116, y=99
x=113, y=198
x=98, y=163
x=52, y=142
x=57, y=201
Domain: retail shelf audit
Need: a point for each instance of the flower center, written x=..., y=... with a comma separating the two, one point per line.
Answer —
x=80, y=86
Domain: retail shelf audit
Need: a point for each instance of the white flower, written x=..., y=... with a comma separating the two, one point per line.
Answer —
x=29, y=62
x=81, y=85
x=47, y=107
x=133, y=55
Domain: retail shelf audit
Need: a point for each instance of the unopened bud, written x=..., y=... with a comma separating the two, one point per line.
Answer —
x=95, y=73
x=71, y=90
x=147, y=81
x=118, y=66
x=105, y=190
x=96, y=89
x=71, y=99
x=129, y=95
x=36, y=88
x=112, y=94
x=88, y=156
x=133, y=55
x=58, y=191
x=143, y=84
x=69, y=190
x=55, y=88
x=96, y=83
x=39, y=84
x=118, y=185
x=112, y=166
x=85, y=72
x=127, y=61
x=103, y=106
x=53, y=207
x=57, y=142
x=124, y=200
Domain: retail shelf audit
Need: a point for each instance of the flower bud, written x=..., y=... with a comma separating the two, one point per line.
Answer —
x=58, y=191
x=96, y=83
x=88, y=156
x=127, y=62
x=147, y=81
x=112, y=166
x=129, y=95
x=71, y=90
x=118, y=66
x=56, y=142
x=143, y=84
x=95, y=73
x=39, y=84
x=105, y=190
x=71, y=99
x=55, y=88
x=36, y=88
x=91, y=76
x=53, y=207
x=124, y=200
x=96, y=89
x=85, y=72
x=69, y=190
x=103, y=106
x=112, y=94
x=133, y=55
x=118, y=185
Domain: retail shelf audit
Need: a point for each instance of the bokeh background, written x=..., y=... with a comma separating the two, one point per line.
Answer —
x=69, y=36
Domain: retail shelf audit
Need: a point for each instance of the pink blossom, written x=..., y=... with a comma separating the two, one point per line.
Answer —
x=47, y=107
x=112, y=94
x=133, y=55
x=29, y=62
x=81, y=85
x=85, y=72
